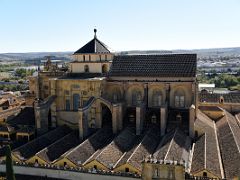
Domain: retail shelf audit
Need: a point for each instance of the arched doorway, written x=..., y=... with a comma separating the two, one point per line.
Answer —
x=106, y=116
x=104, y=68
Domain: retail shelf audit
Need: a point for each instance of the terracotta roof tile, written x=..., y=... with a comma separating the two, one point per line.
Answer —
x=30, y=149
x=229, y=140
x=168, y=65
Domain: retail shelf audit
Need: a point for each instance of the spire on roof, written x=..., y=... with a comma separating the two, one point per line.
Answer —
x=93, y=46
x=95, y=33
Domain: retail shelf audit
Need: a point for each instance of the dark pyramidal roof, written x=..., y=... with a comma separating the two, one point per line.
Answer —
x=93, y=46
x=166, y=65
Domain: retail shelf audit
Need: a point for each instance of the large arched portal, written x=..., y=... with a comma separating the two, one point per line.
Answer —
x=106, y=116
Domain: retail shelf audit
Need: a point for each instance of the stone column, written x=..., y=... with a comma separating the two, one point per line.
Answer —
x=80, y=125
x=147, y=171
x=120, y=117
x=139, y=119
x=146, y=94
x=192, y=116
x=83, y=124
x=167, y=89
x=163, y=124
x=114, y=118
x=41, y=118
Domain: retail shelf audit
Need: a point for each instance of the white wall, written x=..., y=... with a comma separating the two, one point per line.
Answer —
x=63, y=174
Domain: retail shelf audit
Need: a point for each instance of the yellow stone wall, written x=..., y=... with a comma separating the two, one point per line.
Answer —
x=165, y=171
x=33, y=159
x=209, y=174
x=66, y=88
x=93, y=57
x=94, y=67
x=62, y=161
x=33, y=85
x=123, y=167
x=214, y=114
x=93, y=163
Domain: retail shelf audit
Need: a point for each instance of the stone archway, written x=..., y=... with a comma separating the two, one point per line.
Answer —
x=106, y=115
x=114, y=113
x=42, y=110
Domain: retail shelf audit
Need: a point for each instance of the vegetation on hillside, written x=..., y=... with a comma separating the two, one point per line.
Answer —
x=232, y=82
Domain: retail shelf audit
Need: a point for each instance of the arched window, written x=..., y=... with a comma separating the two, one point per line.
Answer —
x=89, y=57
x=136, y=98
x=221, y=100
x=116, y=96
x=86, y=68
x=104, y=68
x=76, y=101
x=204, y=174
x=179, y=98
x=157, y=98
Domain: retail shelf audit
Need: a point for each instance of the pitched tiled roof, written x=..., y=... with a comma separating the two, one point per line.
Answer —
x=7, y=128
x=206, y=153
x=145, y=148
x=58, y=148
x=174, y=146
x=30, y=149
x=93, y=46
x=114, y=151
x=233, y=97
x=168, y=65
x=229, y=141
x=86, y=149
x=25, y=117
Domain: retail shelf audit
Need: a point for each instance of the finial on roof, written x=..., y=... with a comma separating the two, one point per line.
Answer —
x=95, y=33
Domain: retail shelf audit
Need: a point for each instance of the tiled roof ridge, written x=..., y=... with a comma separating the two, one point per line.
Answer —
x=237, y=116
x=41, y=151
x=158, y=148
x=169, y=147
x=218, y=151
x=206, y=119
x=90, y=157
x=81, y=144
x=135, y=149
x=44, y=135
x=205, y=150
x=230, y=126
x=104, y=149
x=113, y=141
x=155, y=55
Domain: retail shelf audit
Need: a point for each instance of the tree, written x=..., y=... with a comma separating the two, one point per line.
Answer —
x=9, y=164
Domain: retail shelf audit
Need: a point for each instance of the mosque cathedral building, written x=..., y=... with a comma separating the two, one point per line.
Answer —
x=133, y=114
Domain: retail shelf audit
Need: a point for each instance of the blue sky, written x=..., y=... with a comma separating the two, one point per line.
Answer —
x=66, y=25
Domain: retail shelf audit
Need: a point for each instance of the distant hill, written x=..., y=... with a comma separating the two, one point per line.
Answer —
x=35, y=56
x=214, y=52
